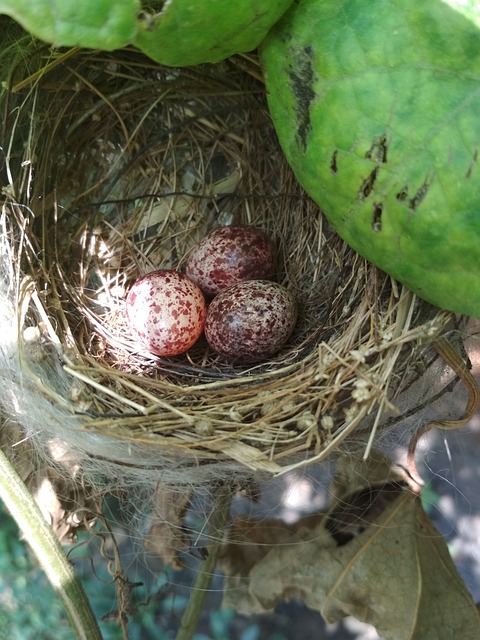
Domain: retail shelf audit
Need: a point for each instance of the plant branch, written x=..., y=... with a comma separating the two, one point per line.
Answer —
x=446, y=351
x=219, y=518
x=48, y=551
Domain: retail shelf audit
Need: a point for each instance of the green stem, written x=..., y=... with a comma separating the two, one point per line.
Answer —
x=48, y=550
x=195, y=604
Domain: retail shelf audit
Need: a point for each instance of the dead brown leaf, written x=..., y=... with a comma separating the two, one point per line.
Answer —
x=68, y=507
x=361, y=491
x=167, y=536
x=391, y=569
x=248, y=541
x=68, y=504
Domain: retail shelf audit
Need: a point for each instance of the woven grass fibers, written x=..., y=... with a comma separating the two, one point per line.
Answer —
x=114, y=166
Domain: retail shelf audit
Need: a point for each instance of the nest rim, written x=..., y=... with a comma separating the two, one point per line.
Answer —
x=275, y=416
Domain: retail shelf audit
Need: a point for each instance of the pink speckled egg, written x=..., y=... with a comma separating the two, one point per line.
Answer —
x=250, y=321
x=166, y=312
x=229, y=255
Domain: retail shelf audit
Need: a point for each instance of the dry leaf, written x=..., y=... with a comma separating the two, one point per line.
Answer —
x=361, y=490
x=167, y=536
x=68, y=507
x=353, y=473
x=248, y=541
x=67, y=503
x=375, y=556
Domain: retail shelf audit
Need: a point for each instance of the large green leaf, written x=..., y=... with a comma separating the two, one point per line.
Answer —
x=190, y=32
x=98, y=24
x=175, y=33
x=377, y=107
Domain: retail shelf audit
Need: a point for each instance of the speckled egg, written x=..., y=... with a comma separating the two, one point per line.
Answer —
x=250, y=321
x=166, y=312
x=229, y=255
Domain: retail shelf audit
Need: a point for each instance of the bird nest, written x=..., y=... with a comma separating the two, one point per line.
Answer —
x=115, y=166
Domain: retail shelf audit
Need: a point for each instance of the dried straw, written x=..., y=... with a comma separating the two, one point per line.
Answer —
x=115, y=166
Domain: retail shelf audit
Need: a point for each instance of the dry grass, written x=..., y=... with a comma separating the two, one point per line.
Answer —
x=116, y=166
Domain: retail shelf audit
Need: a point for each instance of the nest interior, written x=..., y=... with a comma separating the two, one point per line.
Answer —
x=115, y=166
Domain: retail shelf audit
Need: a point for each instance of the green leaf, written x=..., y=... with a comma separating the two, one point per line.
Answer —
x=180, y=33
x=189, y=32
x=377, y=106
x=97, y=24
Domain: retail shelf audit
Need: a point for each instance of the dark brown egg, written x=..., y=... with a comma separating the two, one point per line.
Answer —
x=250, y=321
x=166, y=312
x=229, y=255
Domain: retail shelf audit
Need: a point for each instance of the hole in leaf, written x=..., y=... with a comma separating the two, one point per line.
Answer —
x=368, y=184
x=302, y=82
x=377, y=217
x=333, y=163
x=378, y=150
x=358, y=510
x=420, y=195
x=472, y=164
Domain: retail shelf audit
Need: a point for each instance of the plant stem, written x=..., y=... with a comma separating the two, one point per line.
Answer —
x=48, y=551
x=219, y=518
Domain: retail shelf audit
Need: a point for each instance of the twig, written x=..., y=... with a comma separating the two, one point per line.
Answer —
x=452, y=358
x=34, y=77
x=194, y=608
x=48, y=551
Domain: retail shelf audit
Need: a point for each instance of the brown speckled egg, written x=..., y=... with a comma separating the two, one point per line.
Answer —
x=166, y=312
x=250, y=321
x=229, y=255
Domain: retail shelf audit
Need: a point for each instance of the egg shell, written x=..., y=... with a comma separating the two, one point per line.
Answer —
x=250, y=321
x=229, y=255
x=166, y=312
